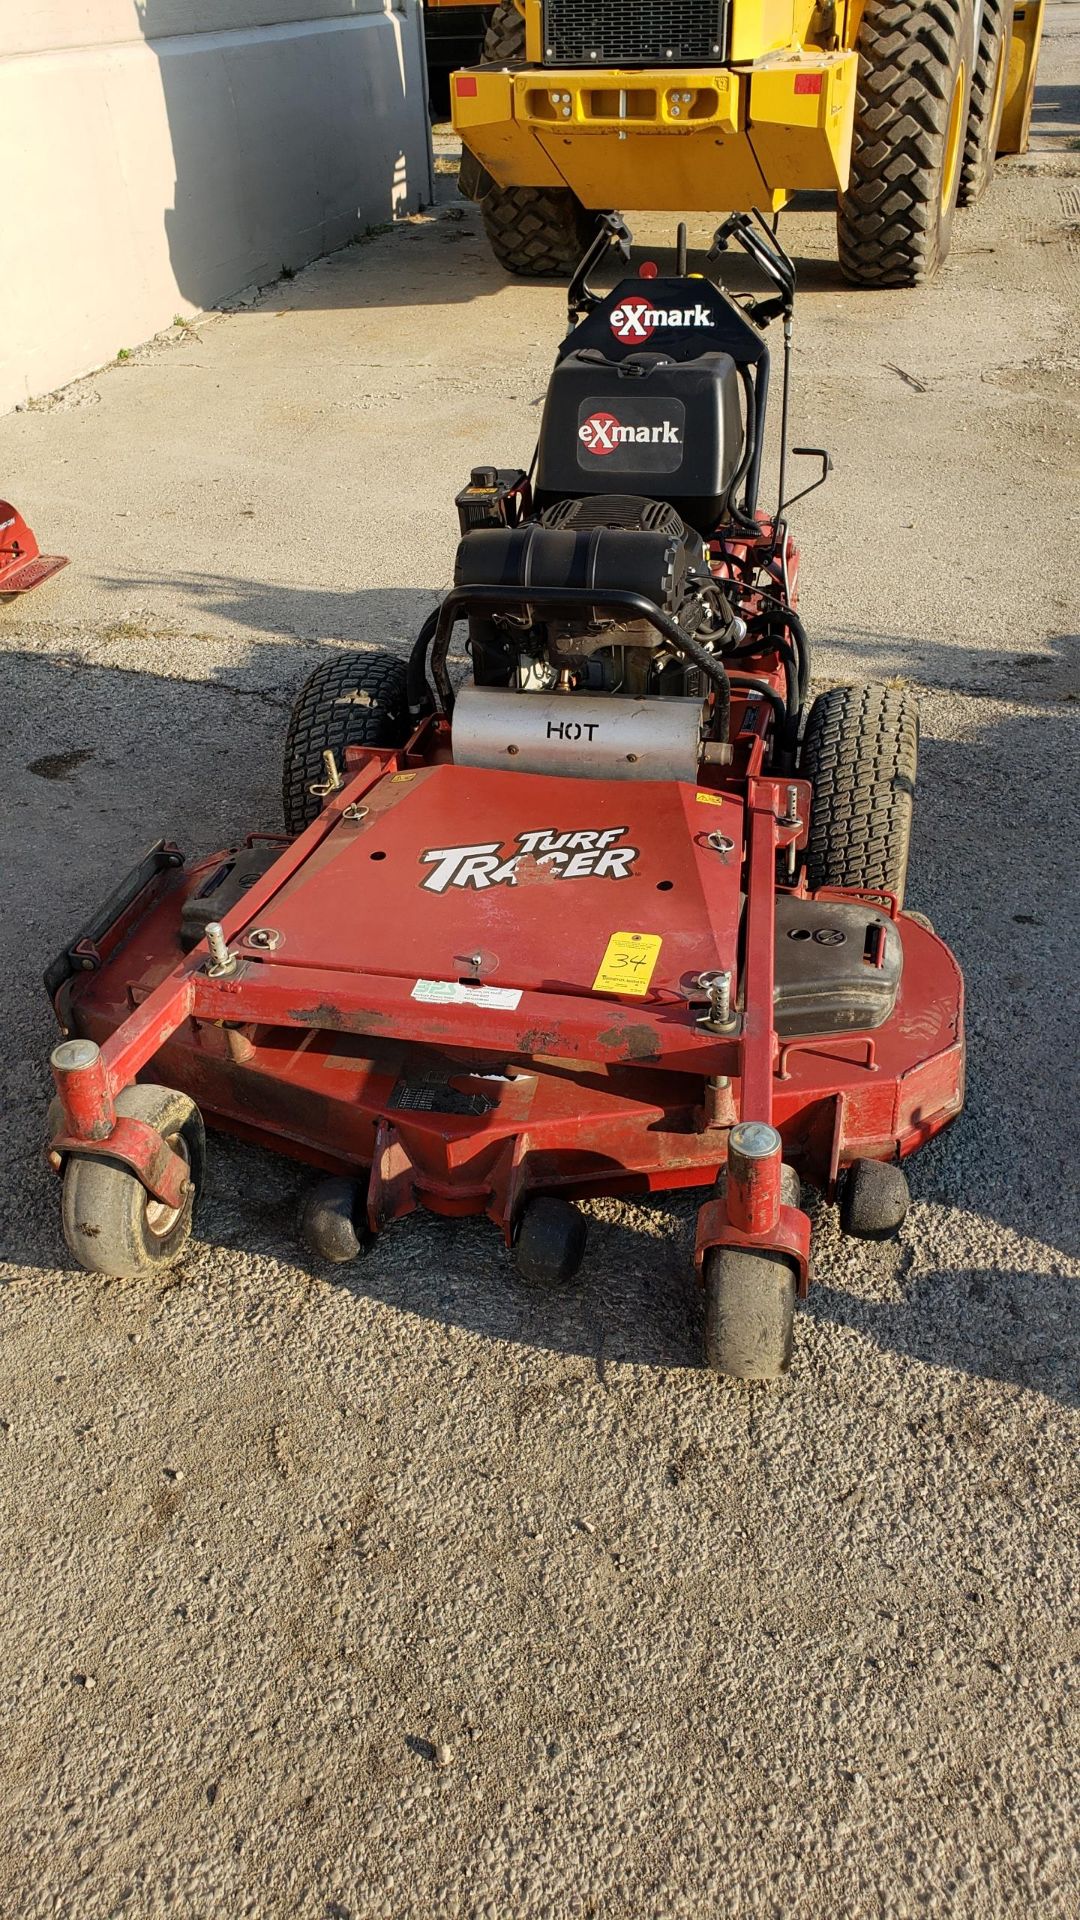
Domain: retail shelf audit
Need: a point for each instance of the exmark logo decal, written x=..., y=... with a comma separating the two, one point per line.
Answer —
x=586, y=855
x=601, y=433
x=637, y=319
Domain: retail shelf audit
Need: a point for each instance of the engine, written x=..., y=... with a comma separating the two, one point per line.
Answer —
x=641, y=452
x=608, y=544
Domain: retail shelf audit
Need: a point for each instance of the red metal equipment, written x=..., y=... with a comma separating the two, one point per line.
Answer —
x=479, y=990
x=23, y=566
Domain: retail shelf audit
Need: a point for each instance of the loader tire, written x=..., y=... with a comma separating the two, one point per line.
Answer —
x=539, y=233
x=859, y=753
x=987, y=100
x=894, y=221
x=504, y=41
x=351, y=700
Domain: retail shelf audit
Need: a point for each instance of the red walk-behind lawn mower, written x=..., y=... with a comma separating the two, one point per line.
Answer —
x=607, y=918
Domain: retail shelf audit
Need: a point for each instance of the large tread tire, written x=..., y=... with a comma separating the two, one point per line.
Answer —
x=351, y=700
x=987, y=100
x=504, y=41
x=860, y=752
x=894, y=221
x=749, y=1314
x=538, y=233
x=111, y=1224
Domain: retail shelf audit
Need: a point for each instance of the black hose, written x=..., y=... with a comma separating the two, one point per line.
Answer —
x=751, y=683
x=790, y=619
x=791, y=668
x=416, y=681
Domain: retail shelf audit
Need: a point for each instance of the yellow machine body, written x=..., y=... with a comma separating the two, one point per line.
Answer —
x=777, y=117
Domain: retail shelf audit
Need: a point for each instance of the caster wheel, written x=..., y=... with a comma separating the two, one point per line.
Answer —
x=873, y=1200
x=330, y=1220
x=749, y=1314
x=111, y=1224
x=550, y=1243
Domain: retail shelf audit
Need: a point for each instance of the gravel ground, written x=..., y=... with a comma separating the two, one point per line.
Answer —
x=394, y=1590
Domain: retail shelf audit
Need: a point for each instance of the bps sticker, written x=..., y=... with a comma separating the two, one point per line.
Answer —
x=590, y=854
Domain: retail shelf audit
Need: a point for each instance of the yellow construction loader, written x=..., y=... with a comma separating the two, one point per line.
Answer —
x=899, y=106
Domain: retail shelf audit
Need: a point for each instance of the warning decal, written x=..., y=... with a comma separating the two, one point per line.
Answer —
x=457, y=993
x=627, y=965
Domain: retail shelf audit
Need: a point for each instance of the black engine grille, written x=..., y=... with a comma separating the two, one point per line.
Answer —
x=634, y=33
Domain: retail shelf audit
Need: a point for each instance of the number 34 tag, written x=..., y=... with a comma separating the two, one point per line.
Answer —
x=627, y=965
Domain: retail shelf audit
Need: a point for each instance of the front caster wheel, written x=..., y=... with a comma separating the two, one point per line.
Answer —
x=111, y=1223
x=874, y=1200
x=550, y=1243
x=749, y=1313
x=330, y=1220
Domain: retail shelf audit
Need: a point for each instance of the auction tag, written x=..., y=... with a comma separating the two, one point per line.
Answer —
x=453, y=993
x=627, y=965
x=709, y=799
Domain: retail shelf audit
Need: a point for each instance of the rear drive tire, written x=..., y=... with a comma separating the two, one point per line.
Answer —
x=987, y=100
x=895, y=218
x=351, y=700
x=859, y=753
x=111, y=1223
x=749, y=1314
x=504, y=41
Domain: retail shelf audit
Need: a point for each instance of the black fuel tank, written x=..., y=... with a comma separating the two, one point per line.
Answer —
x=643, y=424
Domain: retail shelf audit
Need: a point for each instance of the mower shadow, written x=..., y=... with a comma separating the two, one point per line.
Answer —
x=1021, y=1327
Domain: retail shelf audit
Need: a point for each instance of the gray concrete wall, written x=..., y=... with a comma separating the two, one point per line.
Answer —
x=158, y=155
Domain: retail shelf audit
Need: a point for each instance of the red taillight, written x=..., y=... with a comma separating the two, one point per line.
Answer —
x=808, y=82
x=648, y=270
x=465, y=86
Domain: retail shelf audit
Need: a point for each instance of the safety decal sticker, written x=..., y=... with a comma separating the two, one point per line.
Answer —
x=628, y=963
x=457, y=994
x=709, y=799
x=590, y=854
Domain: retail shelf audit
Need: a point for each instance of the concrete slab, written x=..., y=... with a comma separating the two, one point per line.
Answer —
x=274, y=1538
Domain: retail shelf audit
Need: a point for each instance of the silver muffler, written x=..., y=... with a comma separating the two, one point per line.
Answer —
x=588, y=736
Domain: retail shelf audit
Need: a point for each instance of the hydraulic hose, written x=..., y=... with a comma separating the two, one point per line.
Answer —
x=416, y=680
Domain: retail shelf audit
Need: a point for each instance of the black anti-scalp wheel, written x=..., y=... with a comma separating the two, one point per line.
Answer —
x=330, y=1220
x=874, y=1200
x=550, y=1243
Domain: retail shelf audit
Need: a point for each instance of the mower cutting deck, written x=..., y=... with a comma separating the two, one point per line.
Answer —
x=23, y=566
x=598, y=922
